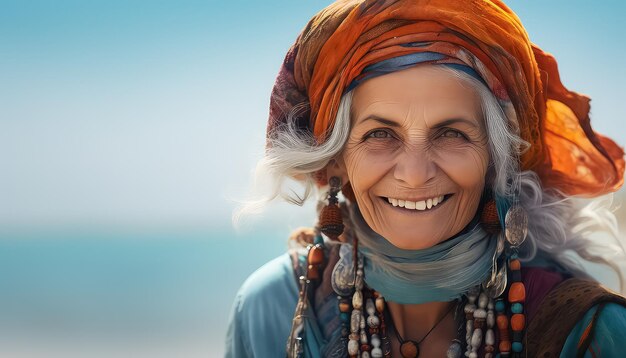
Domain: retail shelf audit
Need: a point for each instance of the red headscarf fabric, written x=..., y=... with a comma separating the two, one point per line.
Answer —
x=486, y=35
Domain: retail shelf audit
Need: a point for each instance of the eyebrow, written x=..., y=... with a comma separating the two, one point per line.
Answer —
x=384, y=121
x=444, y=123
x=450, y=121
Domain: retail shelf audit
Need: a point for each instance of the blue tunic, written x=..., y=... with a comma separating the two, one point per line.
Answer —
x=262, y=313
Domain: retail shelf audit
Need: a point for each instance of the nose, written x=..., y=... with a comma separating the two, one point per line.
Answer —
x=415, y=168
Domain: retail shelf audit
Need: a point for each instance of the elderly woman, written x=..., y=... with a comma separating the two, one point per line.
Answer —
x=456, y=151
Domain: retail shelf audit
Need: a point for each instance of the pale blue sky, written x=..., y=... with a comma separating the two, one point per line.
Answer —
x=143, y=113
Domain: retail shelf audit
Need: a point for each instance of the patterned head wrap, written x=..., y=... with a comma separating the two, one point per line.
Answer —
x=349, y=35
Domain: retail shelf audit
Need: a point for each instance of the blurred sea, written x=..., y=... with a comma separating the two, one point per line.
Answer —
x=124, y=293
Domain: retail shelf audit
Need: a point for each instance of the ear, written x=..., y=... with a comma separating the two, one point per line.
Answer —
x=337, y=168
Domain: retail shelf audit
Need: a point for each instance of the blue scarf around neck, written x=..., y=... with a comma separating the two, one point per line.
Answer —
x=440, y=273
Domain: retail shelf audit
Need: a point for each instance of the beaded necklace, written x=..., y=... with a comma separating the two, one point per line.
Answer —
x=367, y=337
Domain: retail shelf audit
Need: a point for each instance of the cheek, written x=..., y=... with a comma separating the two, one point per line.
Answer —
x=467, y=168
x=365, y=168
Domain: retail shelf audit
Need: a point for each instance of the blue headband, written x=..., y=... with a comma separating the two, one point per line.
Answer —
x=407, y=61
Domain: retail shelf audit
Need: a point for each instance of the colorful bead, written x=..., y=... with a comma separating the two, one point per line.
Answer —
x=504, y=346
x=483, y=300
x=331, y=221
x=409, y=349
x=469, y=328
x=375, y=340
x=469, y=310
x=489, y=218
x=373, y=321
x=357, y=300
x=490, y=338
x=517, y=308
x=517, y=292
x=517, y=347
x=503, y=322
x=355, y=321
x=515, y=264
x=344, y=305
x=491, y=319
x=377, y=353
x=369, y=307
x=353, y=347
x=518, y=322
x=480, y=313
x=312, y=273
x=500, y=305
x=455, y=350
x=477, y=339
x=380, y=304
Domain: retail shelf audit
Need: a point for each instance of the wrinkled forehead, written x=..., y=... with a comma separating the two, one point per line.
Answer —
x=430, y=90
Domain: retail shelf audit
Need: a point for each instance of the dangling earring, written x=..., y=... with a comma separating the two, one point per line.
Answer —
x=516, y=229
x=496, y=283
x=489, y=217
x=330, y=220
x=348, y=192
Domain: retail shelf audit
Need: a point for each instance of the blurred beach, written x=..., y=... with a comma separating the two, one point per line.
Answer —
x=122, y=294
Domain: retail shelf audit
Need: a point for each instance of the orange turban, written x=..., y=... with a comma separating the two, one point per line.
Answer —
x=348, y=35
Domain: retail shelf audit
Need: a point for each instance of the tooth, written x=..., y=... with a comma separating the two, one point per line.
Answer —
x=401, y=203
x=441, y=198
x=420, y=205
x=409, y=204
x=389, y=200
x=429, y=203
x=435, y=201
x=394, y=202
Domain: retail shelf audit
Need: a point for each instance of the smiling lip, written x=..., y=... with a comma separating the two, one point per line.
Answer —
x=418, y=205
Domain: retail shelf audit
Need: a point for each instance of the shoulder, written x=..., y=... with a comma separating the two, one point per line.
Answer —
x=570, y=316
x=261, y=316
x=275, y=278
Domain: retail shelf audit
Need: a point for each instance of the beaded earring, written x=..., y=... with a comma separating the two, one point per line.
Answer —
x=330, y=220
x=331, y=225
x=516, y=229
x=489, y=217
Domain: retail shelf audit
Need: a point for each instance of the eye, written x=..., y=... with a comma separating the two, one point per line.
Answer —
x=452, y=133
x=378, y=134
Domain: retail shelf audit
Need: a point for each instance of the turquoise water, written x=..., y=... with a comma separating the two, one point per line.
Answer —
x=123, y=293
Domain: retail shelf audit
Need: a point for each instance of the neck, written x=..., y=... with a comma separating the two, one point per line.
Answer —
x=416, y=277
x=414, y=321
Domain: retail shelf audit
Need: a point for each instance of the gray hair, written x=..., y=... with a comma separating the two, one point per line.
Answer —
x=558, y=225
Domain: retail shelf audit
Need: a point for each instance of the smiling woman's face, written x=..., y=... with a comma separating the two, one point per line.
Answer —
x=417, y=155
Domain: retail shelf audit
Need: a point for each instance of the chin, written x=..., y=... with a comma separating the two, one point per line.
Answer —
x=412, y=242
